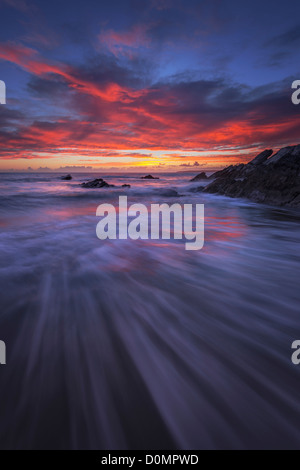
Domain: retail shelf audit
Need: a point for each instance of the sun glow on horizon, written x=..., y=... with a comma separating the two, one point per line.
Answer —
x=126, y=160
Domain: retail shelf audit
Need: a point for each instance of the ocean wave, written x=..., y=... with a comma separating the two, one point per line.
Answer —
x=127, y=344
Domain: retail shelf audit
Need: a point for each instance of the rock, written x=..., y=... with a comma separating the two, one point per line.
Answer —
x=97, y=183
x=168, y=193
x=272, y=181
x=66, y=178
x=282, y=153
x=262, y=157
x=224, y=172
x=199, y=189
x=296, y=151
x=149, y=177
x=202, y=176
x=126, y=186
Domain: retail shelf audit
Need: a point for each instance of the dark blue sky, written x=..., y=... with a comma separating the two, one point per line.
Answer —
x=160, y=83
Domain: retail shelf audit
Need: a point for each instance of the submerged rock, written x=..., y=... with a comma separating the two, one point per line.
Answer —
x=66, y=178
x=149, y=177
x=97, y=183
x=168, y=193
x=202, y=176
x=274, y=180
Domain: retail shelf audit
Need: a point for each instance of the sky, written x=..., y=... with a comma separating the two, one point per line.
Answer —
x=164, y=85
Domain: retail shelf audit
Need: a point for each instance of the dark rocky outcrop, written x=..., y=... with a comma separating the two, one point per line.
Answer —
x=149, y=177
x=97, y=183
x=224, y=172
x=66, y=178
x=282, y=153
x=267, y=179
x=201, y=177
x=262, y=157
x=126, y=186
x=198, y=189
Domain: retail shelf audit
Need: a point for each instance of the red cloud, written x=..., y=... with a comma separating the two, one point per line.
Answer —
x=113, y=116
x=29, y=59
x=125, y=42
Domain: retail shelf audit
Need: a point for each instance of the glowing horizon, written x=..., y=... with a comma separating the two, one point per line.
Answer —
x=138, y=92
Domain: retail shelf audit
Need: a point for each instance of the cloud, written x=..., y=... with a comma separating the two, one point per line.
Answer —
x=189, y=165
x=112, y=107
x=289, y=38
x=74, y=168
x=125, y=42
x=161, y=4
x=10, y=117
x=178, y=116
x=20, y=5
x=283, y=45
x=29, y=59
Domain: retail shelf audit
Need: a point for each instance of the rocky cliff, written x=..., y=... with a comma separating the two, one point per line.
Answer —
x=270, y=179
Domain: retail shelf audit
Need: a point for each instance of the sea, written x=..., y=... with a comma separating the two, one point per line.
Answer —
x=141, y=344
